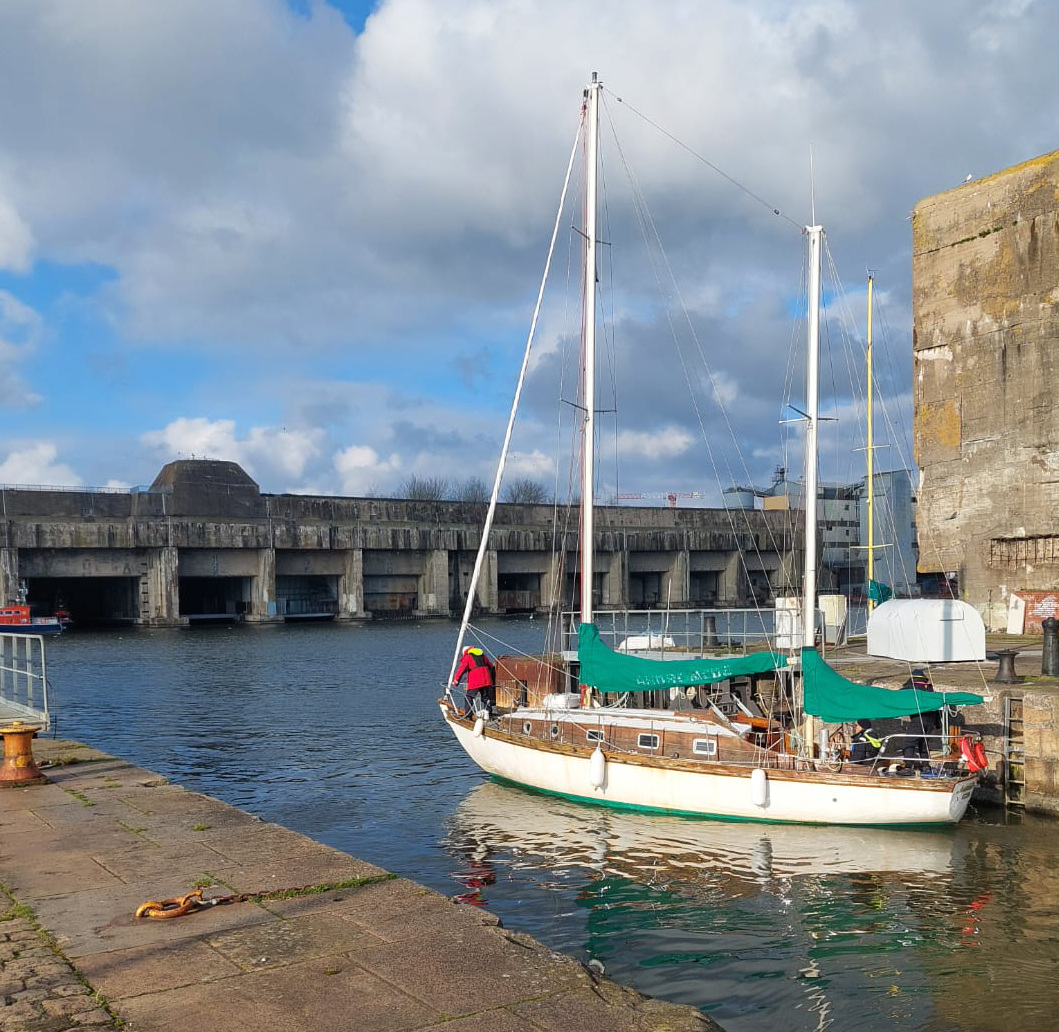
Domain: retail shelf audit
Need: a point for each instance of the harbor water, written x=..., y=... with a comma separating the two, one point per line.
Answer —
x=335, y=732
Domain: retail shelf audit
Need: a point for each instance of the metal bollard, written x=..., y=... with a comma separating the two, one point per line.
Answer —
x=1050, y=653
x=1006, y=670
x=19, y=768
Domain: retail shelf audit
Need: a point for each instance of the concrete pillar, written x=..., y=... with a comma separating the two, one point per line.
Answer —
x=616, y=582
x=488, y=590
x=261, y=606
x=552, y=582
x=8, y=574
x=732, y=587
x=434, y=583
x=675, y=581
x=163, y=588
x=351, y=585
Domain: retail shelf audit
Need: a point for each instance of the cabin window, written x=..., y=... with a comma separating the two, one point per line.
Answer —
x=594, y=735
x=527, y=727
x=647, y=741
x=555, y=730
x=704, y=747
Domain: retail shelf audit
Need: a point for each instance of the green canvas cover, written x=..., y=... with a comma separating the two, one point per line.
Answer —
x=835, y=699
x=610, y=671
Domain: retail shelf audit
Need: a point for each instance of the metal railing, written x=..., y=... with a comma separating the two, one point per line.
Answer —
x=23, y=679
x=686, y=631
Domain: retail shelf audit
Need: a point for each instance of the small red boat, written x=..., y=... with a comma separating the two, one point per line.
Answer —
x=17, y=618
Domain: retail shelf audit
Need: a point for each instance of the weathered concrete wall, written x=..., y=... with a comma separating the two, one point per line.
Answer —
x=1039, y=727
x=1040, y=715
x=205, y=519
x=986, y=300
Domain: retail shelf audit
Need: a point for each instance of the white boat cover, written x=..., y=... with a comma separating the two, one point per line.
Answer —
x=926, y=630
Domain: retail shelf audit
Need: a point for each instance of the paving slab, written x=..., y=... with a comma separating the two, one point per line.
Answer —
x=351, y=946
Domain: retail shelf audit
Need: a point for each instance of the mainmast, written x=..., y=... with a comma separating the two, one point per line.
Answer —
x=871, y=451
x=588, y=439
x=815, y=234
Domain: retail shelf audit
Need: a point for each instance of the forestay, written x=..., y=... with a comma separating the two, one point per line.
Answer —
x=609, y=671
x=834, y=698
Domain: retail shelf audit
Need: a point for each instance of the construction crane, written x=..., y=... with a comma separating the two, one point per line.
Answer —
x=669, y=496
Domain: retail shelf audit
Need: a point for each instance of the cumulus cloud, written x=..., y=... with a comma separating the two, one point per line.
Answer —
x=665, y=443
x=361, y=470
x=279, y=454
x=34, y=463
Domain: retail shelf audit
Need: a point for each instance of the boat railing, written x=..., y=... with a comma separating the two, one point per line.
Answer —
x=682, y=632
x=23, y=679
x=912, y=751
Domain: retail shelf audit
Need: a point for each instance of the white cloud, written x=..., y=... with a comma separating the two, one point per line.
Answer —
x=361, y=469
x=666, y=443
x=33, y=463
x=534, y=465
x=21, y=329
x=16, y=238
x=265, y=452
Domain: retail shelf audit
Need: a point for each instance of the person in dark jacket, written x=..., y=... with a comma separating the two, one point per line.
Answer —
x=927, y=722
x=864, y=746
x=481, y=680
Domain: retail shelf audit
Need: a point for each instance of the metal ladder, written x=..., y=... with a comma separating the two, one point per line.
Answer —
x=1014, y=753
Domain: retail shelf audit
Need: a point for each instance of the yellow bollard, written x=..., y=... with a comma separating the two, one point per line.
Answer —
x=19, y=767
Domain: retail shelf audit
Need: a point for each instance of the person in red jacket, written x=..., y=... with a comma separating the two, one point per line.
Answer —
x=481, y=679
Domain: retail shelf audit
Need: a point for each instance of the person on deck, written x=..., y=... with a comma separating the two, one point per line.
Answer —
x=927, y=722
x=864, y=746
x=481, y=680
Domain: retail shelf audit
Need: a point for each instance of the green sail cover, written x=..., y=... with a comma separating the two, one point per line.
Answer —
x=835, y=699
x=610, y=671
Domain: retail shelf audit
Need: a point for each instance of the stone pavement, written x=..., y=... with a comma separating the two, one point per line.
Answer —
x=356, y=948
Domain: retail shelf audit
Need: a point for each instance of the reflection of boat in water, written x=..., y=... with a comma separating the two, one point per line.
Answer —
x=645, y=846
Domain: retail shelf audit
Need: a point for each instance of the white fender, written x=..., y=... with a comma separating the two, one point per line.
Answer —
x=597, y=768
x=759, y=787
x=479, y=729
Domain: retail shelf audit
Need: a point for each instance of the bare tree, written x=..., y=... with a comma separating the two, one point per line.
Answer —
x=524, y=491
x=474, y=490
x=424, y=489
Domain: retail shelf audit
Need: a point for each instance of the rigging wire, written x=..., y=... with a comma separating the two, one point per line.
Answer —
x=709, y=164
x=484, y=544
x=712, y=383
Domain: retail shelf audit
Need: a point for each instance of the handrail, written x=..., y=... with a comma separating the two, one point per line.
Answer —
x=24, y=679
x=681, y=631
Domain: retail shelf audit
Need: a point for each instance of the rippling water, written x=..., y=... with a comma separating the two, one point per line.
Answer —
x=335, y=732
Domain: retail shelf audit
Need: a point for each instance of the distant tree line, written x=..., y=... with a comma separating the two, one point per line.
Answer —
x=522, y=490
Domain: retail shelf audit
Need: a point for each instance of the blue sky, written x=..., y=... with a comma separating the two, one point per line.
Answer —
x=307, y=236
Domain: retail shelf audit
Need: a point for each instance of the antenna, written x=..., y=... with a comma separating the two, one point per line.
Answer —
x=812, y=184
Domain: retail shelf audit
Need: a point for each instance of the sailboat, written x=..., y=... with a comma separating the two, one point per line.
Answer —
x=702, y=762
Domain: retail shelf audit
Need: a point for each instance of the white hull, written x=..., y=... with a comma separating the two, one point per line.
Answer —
x=649, y=783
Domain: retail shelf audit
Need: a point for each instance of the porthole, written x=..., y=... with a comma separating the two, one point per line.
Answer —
x=527, y=727
x=555, y=730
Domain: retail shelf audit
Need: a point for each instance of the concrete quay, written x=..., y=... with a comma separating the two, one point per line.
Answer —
x=354, y=947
